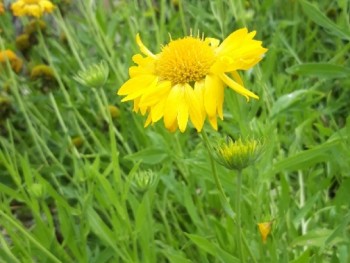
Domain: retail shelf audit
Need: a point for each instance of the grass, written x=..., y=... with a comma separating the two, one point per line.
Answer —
x=70, y=172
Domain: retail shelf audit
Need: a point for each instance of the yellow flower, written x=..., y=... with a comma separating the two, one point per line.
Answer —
x=2, y=8
x=33, y=26
x=23, y=42
x=42, y=71
x=265, y=229
x=15, y=62
x=34, y=8
x=187, y=78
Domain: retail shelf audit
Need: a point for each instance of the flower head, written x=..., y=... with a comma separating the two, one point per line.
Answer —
x=144, y=180
x=23, y=42
x=237, y=155
x=187, y=78
x=33, y=26
x=2, y=8
x=94, y=76
x=34, y=8
x=265, y=230
x=15, y=62
x=42, y=71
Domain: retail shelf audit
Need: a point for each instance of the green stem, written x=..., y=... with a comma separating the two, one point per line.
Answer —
x=32, y=239
x=224, y=200
x=238, y=215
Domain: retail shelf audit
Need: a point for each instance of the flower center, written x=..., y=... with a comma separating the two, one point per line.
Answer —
x=185, y=60
x=31, y=2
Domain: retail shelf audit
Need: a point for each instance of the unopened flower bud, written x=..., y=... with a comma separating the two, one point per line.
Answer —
x=265, y=230
x=93, y=76
x=237, y=155
x=37, y=190
x=114, y=111
x=144, y=180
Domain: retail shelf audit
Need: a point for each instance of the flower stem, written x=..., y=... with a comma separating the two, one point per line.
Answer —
x=238, y=215
x=224, y=200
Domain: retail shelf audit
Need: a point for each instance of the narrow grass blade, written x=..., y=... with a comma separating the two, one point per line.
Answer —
x=319, y=18
x=322, y=70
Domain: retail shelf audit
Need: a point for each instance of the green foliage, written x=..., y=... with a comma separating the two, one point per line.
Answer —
x=63, y=201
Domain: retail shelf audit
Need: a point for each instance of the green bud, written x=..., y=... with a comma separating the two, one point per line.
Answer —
x=37, y=190
x=144, y=180
x=237, y=155
x=93, y=76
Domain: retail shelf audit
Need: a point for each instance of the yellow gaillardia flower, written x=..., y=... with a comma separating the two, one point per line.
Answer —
x=33, y=26
x=237, y=155
x=23, y=42
x=187, y=78
x=34, y=8
x=265, y=230
x=15, y=62
x=2, y=8
x=42, y=71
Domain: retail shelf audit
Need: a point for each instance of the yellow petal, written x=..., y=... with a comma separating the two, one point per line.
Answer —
x=233, y=41
x=136, y=107
x=213, y=87
x=213, y=42
x=135, y=84
x=238, y=88
x=199, y=87
x=265, y=229
x=195, y=107
x=148, y=121
x=157, y=111
x=237, y=77
x=220, y=101
x=182, y=115
x=156, y=94
x=171, y=106
x=142, y=47
x=213, y=122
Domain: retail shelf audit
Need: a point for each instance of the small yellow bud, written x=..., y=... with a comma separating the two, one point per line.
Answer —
x=2, y=8
x=93, y=76
x=265, y=230
x=237, y=155
x=42, y=71
x=23, y=42
x=34, y=25
x=114, y=111
x=15, y=62
x=77, y=141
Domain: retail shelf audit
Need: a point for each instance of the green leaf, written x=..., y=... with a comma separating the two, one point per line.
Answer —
x=306, y=208
x=103, y=231
x=304, y=258
x=212, y=249
x=315, y=238
x=322, y=70
x=308, y=157
x=339, y=232
x=149, y=156
x=286, y=101
x=320, y=19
